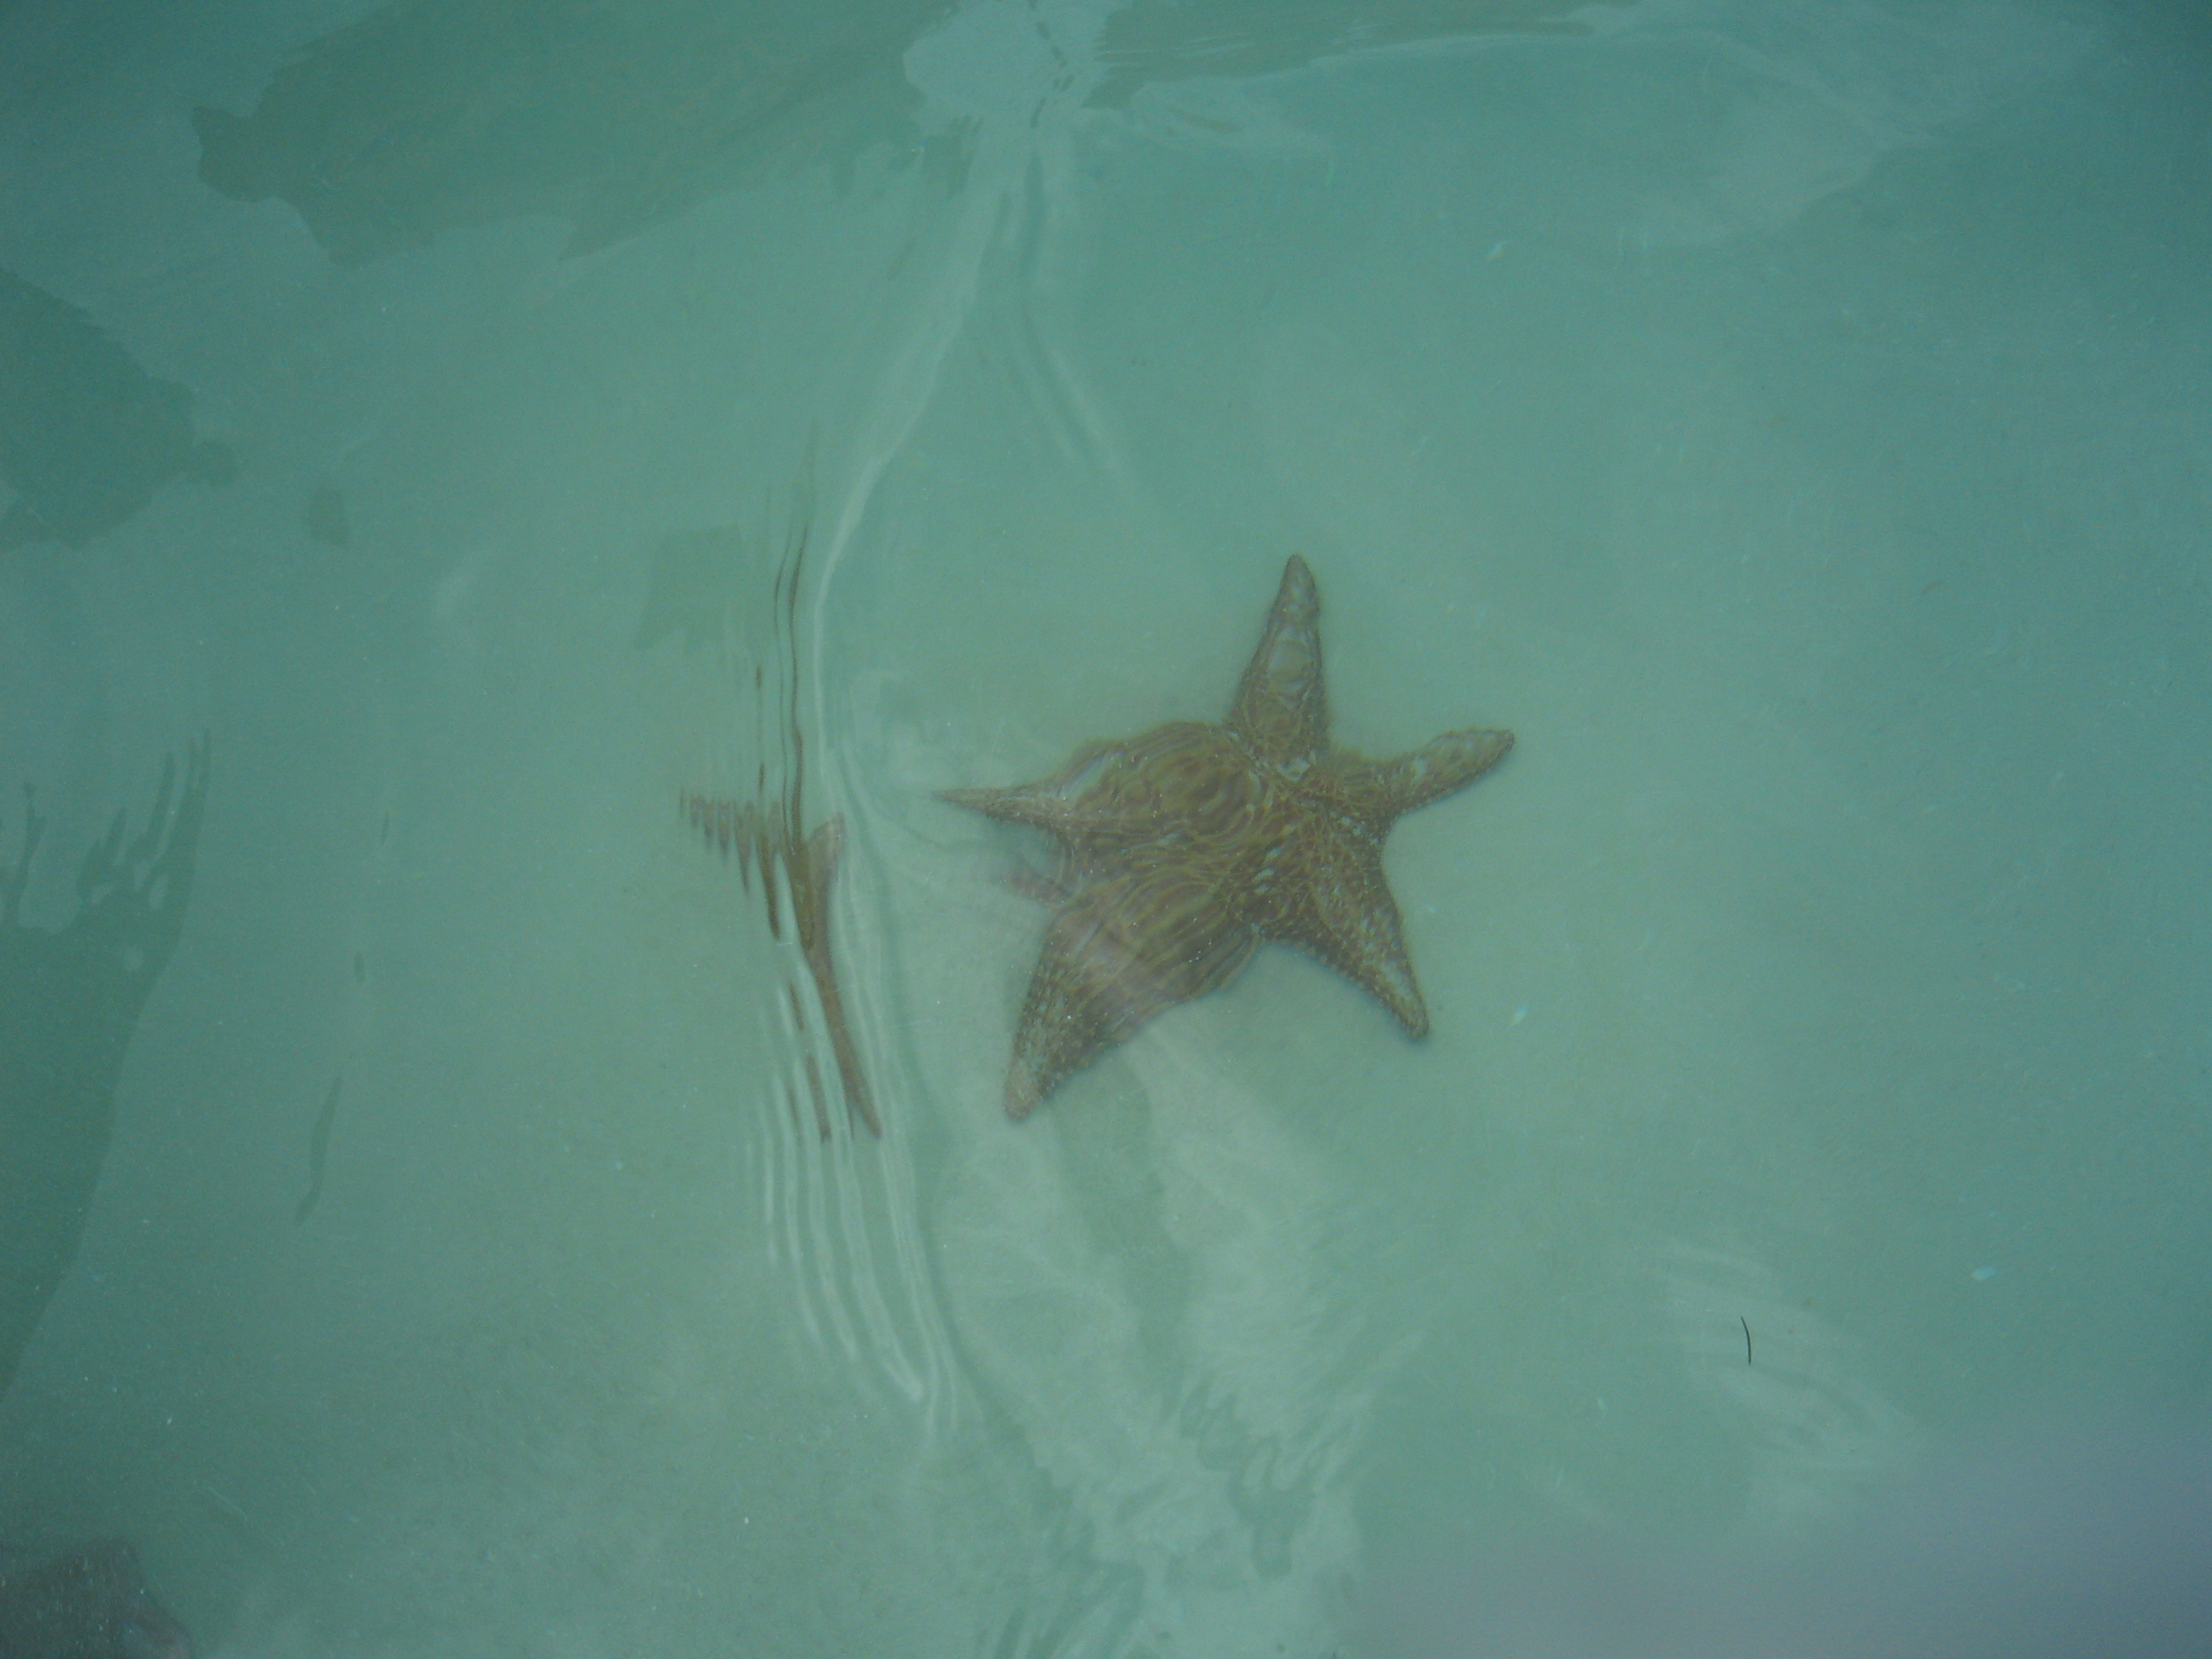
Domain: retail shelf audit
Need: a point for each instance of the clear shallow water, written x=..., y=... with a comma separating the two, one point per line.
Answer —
x=1790, y=420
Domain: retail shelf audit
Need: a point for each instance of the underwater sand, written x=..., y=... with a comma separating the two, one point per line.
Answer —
x=1791, y=420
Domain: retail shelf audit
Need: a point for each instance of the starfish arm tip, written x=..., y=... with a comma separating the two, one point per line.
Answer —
x=1392, y=981
x=1438, y=768
x=1031, y=1078
x=1281, y=705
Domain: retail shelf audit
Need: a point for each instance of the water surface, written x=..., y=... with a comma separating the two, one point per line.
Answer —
x=1790, y=420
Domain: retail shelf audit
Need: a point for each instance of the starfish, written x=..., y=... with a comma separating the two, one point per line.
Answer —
x=1183, y=849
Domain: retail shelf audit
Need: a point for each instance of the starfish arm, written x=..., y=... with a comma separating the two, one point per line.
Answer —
x=1061, y=804
x=1281, y=708
x=1122, y=795
x=1129, y=947
x=1345, y=914
x=1438, y=768
x=1020, y=805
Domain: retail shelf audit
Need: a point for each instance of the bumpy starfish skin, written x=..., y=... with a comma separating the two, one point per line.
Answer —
x=1185, y=848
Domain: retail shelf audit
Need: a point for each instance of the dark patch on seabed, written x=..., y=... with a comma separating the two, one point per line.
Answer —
x=70, y=999
x=86, y=436
x=92, y=1602
x=420, y=119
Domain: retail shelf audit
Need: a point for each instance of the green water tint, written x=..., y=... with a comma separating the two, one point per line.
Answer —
x=1787, y=418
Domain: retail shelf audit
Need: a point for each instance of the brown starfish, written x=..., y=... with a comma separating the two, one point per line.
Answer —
x=1184, y=849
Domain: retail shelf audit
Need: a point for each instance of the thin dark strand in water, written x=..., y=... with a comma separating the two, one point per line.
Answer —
x=319, y=1151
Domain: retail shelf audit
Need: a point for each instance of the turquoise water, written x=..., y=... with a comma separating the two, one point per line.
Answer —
x=1790, y=420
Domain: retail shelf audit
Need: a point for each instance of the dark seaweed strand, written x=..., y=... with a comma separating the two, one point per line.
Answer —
x=12, y=885
x=142, y=850
x=319, y=1151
